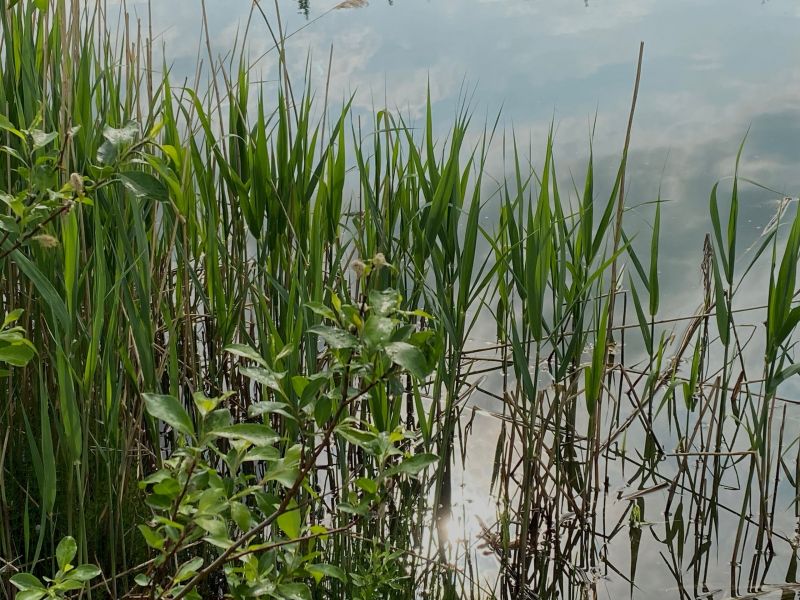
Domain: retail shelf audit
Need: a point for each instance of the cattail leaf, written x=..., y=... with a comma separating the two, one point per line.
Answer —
x=721, y=306
x=717, y=228
x=653, y=279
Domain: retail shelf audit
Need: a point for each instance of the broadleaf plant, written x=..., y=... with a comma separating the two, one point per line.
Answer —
x=237, y=498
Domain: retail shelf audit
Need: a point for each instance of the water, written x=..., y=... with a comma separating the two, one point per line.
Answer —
x=712, y=71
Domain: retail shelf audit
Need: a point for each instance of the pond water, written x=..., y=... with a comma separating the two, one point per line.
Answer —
x=713, y=72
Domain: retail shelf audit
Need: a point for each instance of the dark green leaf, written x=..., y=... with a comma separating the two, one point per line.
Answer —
x=416, y=464
x=335, y=338
x=265, y=376
x=66, y=551
x=294, y=591
x=409, y=358
x=144, y=185
x=321, y=310
x=169, y=410
x=384, y=302
x=26, y=581
x=258, y=435
x=378, y=331
x=85, y=572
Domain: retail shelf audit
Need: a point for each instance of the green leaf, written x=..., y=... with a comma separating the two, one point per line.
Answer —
x=286, y=470
x=258, y=435
x=66, y=551
x=151, y=537
x=30, y=595
x=12, y=317
x=262, y=453
x=188, y=569
x=116, y=139
x=218, y=419
x=782, y=376
x=17, y=354
x=144, y=185
x=308, y=387
x=216, y=527
x=7, y=125
x=721, y=306
x=335, y=338
x=168, y=487
x=241, y=515
x=384, y=302
x=85, y=572
x=290, y=521
x=357, y=437
x=294, y=591
x=415, y=465
x=319, y=571
x=45, y=288
x=169, y=410
x=322, y=310
x=265, y=376
x=378, y=331
x=206, y=405
x=653, y=283
x=368, y=485
x=409, y=358
x=245, y=352
x=41, y=138
x=26, y=581
x=266, y=407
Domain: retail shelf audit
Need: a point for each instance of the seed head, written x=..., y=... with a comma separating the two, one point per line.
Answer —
x=46, y=241
x=358, y=266
x=76, y=181
x=379, y=260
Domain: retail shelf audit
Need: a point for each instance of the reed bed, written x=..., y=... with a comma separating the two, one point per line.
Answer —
x=172, y=250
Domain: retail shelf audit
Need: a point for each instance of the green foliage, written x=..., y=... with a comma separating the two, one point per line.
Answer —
x=66, y=581
x=237, y=497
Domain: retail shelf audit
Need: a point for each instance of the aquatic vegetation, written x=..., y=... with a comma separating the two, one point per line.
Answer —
x=240, y=358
